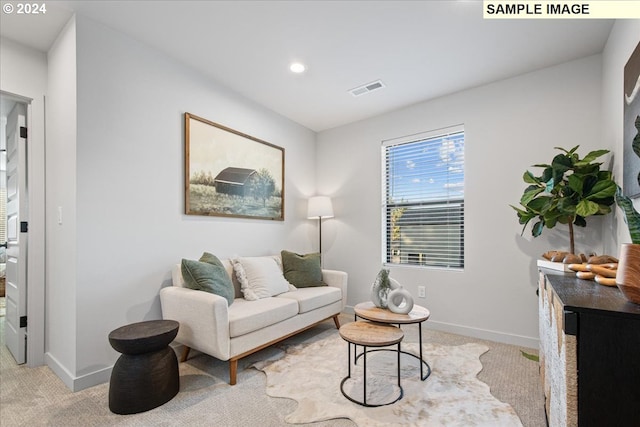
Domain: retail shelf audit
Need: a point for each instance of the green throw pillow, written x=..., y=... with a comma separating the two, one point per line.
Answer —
x=209, y=276
x=302, y=271
x=210, y=259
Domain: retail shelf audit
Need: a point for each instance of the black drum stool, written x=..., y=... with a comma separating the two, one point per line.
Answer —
x=145, y=375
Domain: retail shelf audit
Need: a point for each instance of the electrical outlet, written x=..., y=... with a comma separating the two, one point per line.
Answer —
x=422, y=292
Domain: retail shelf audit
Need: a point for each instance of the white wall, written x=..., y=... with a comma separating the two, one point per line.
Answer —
x=131, y=227
x=121, y=186
x=622, y=41
x=23, y=72
x=62, y=249
x=509, y=125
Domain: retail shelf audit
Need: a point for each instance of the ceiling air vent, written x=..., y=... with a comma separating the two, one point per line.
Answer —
x=369, y=87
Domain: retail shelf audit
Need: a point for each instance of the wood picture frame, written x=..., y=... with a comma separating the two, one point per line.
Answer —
x=232, y=174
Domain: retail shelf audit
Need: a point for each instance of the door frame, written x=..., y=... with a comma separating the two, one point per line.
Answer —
x=35, y=256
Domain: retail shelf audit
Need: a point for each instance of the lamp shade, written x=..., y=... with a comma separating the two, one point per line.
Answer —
x=320, y=206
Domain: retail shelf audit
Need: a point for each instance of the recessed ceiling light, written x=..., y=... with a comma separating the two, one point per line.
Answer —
x=297, y=67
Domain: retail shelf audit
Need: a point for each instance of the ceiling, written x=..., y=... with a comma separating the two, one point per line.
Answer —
x=420, y=50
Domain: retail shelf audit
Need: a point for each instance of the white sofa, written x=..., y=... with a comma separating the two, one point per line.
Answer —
x=231, y=332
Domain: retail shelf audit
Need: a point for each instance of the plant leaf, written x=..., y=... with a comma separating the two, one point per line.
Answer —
x=530, y=194
x=537, y=228
x=524, y=216
x=529, y=178
x=586, y=208
x=566, y=206
x=632, y=217
x=602, y=190
x=530, y=356
x=549, y=187
x=580, y=221
x=561, y=162
x=540, y=204
x=573, y=150
x=550, y=222
x=576, y=183
x=591, y=156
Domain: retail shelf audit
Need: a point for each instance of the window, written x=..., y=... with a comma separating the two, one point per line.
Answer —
x=423, y=205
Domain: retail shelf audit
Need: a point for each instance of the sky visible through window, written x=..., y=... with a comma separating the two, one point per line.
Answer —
x=430, y=169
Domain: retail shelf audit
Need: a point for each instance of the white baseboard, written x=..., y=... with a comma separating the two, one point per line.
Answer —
x=77, y=383
x=483, y=334
x=59, y=370
x=88, y=380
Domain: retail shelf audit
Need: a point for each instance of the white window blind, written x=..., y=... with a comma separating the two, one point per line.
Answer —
x=423, y=200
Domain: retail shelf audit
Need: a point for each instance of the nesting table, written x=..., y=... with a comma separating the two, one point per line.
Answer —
x=419, y=314
x=145, y=375
x=369, y=334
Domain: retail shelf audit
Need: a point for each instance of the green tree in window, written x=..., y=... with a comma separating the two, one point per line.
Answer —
x=395, y=235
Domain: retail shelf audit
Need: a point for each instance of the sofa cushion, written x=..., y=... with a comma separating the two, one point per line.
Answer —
x=228, y=266
x=260, y=277
x=248, y=316
x=208, y=276
x=309, y=299
x=302, y=271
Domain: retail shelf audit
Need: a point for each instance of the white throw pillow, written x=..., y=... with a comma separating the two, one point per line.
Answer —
x=260, y=277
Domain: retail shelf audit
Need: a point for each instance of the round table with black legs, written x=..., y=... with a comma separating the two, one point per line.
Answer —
x=369, y=334
x=419, y=314
x=145, y=375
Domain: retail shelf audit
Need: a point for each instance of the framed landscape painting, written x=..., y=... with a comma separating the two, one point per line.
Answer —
x=229, y=173
x=631, y=136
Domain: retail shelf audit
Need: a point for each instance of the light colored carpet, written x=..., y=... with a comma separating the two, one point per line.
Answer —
x=451, y=396
x=37, y=397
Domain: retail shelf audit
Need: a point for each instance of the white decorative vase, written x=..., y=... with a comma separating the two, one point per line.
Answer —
x=381, y=288
x=400, y=301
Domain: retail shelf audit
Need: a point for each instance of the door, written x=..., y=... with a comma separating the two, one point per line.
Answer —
x=16, y=273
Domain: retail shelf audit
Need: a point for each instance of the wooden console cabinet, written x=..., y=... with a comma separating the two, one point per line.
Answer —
x=589, y=353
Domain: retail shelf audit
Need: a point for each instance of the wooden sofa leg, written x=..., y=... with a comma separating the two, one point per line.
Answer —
x=336, y=320
x=185, y=354
x=233, y=371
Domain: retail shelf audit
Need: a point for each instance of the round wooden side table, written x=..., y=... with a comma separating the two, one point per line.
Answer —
x=368, y=310
x=146, y=374
x=369, y=334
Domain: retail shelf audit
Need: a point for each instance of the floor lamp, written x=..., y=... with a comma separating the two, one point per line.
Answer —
x=320, y=207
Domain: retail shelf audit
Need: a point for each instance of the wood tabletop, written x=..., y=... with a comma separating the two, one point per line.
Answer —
x=371, y=334
x=143, y=337
x=368, y=310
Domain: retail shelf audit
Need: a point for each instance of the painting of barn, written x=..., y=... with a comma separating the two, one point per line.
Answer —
x=233, y=181
x=232, y=174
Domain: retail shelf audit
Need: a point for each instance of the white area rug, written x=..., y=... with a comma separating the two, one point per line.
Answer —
x=451, y=396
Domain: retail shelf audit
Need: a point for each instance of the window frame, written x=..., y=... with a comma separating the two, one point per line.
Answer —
x=442, y=203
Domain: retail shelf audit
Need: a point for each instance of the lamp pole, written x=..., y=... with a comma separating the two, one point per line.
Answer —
x=320, y=207
x=320, y=235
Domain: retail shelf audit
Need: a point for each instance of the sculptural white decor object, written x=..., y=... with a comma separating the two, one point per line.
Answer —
x=381, y=288
x=388, y=293
x=399, y=300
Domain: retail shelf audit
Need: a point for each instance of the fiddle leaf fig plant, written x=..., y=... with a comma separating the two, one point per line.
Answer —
x=569, y=190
